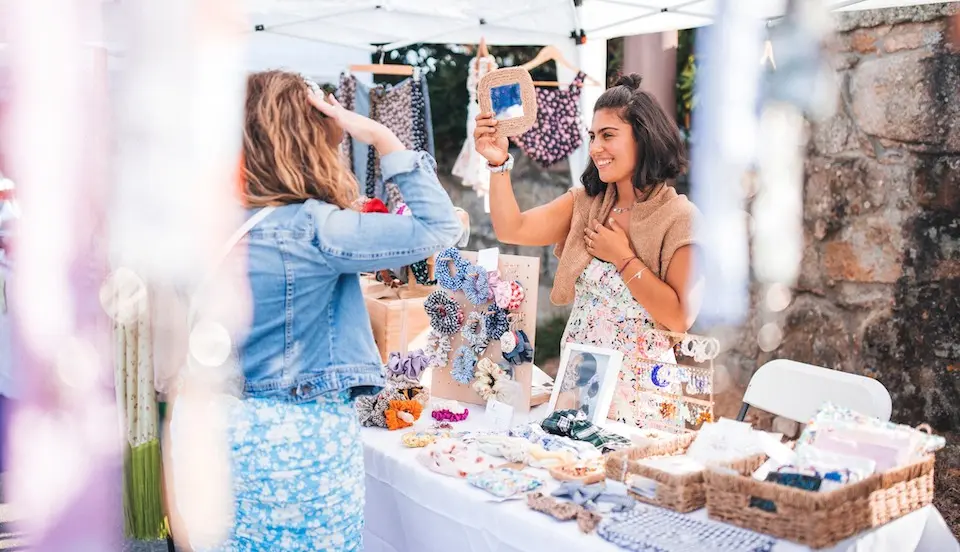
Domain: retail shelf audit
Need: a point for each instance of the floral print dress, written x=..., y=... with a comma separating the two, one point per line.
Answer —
x=298, y=476
x=606, y=315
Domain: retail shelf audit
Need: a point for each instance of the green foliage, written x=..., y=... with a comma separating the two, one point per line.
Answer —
x=549, y=334
x=686, y=79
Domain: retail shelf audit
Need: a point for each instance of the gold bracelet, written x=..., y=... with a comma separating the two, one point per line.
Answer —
x=635, y=276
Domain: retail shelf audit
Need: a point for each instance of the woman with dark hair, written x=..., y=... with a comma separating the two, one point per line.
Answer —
x=624, y=239
x=580, y=386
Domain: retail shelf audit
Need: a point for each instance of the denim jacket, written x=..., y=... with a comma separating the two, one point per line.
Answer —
x=310, y=332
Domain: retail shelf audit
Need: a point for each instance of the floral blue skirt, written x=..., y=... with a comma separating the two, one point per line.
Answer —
x=298, y=476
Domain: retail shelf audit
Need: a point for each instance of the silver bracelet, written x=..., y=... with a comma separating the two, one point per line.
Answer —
x=635, y=276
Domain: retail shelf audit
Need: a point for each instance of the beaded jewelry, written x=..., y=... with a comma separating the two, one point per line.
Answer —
x=463, y=365
x=475, y=332
x=475, y=286
x=446, y=316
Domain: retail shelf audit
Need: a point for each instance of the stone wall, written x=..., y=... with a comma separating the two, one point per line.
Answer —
x=879, y=290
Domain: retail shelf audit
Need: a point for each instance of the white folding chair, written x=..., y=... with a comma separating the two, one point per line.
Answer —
x=796, y=391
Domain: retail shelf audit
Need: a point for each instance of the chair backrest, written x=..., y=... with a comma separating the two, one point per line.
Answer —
x=796, y=391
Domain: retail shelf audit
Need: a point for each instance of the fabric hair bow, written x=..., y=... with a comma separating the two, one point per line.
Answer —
x=410, y=365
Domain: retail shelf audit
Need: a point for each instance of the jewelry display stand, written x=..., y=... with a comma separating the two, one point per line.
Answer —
x=678, y=396
x=525, y=270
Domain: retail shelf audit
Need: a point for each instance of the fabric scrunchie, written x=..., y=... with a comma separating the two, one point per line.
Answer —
x=411, y=364
x=463, y=365
x=497, y=322
x=441, y=269
x=475, y=285
x=438, y=349
x=446, y=316
x=509, y=295
x=475, y=331
x=516, y=347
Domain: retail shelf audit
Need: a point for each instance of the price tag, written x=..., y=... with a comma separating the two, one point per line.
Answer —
x=499, y=416
x=489, y=259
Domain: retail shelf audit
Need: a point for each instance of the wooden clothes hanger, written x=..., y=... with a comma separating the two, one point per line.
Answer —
x=551, y=53
x=402, y=70
x=482, y=48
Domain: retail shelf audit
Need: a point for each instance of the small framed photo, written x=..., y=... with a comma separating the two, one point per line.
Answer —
x=586, y=381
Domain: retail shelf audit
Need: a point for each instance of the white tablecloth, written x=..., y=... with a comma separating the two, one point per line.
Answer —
x=412, y=509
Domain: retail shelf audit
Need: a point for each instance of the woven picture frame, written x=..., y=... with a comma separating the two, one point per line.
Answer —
x=528, y=96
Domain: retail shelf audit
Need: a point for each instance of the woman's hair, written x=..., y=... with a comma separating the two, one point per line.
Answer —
x=290, y=150
x=661, y=154
x=587, y=368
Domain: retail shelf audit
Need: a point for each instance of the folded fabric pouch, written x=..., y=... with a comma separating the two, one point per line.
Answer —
x=504, y=482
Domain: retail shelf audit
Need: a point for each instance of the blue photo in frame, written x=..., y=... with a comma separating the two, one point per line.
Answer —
x=506, y=101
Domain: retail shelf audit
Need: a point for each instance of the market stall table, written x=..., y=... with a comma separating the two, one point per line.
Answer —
x=412, y=509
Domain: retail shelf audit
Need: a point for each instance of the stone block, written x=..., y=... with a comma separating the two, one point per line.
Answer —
x=891, y=97
x=911, y=36
x=870, y=249
x=815, y=332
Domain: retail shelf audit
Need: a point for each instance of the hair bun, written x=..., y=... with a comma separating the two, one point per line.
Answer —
x=631, y=81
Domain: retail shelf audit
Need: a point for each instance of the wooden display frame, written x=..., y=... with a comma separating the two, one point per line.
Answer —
x=525, y=270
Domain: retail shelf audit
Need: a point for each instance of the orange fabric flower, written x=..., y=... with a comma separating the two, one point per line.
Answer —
x=401, y=414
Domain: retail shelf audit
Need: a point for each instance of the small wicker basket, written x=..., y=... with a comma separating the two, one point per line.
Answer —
x=816, y=519
x=680, y=493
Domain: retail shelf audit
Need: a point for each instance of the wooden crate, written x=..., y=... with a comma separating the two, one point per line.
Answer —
x=396, y=316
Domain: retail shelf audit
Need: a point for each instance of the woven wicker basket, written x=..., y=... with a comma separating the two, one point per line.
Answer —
x=817, y=519
x=681, y=493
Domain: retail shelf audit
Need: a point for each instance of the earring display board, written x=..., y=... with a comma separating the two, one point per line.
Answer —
x=678, y=396
x=525, y=270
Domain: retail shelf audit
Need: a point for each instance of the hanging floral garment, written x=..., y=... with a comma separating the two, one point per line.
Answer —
x=470, y=166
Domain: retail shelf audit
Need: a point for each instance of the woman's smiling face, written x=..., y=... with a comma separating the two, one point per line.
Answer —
x=613, y=148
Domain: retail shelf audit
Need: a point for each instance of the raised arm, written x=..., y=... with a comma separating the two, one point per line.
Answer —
x=544, y=225
x=358, y=242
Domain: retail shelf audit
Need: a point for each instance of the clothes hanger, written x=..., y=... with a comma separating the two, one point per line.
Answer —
x=482, y=48
x=551, y=53
x=402, y=70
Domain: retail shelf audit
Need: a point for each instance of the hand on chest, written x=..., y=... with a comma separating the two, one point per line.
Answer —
x=608, y=241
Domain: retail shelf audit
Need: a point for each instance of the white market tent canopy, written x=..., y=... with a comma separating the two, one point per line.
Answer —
x=360, y=25
x=322, y=34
